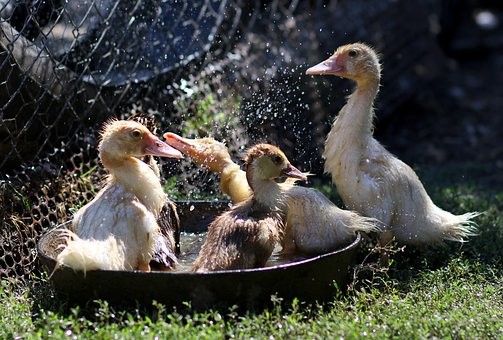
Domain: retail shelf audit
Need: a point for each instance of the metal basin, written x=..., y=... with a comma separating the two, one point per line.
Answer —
x=313, y=279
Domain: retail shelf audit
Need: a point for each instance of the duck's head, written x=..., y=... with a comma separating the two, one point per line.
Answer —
x=126, y=138
x=204, y=151
x=146, y=120
x=356, y=61
x=267, y=162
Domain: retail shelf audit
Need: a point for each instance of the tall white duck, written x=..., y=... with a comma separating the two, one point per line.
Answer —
x=370, y=179
x=118, y=230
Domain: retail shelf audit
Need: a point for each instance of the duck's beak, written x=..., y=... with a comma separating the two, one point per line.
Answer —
x=205, y=151
x=329, y=66
x=185, y=145
x=293, y=172
x=156, y=147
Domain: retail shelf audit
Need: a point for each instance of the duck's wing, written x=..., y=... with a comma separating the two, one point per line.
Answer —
x=168, y=242
x=117, y=214
x=236, y=240
x=316, y=225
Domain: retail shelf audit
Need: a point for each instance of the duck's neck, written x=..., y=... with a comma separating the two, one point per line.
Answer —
x=228, y=167
x=267, y=193
x=233, y=182
x=138, y=178
x=355, y=120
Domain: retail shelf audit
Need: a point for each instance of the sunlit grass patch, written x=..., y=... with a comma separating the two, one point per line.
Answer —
x=451, y=291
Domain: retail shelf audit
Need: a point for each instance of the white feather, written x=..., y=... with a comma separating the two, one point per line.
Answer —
x=315, y=225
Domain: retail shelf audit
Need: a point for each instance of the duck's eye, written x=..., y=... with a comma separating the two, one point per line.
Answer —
x=353, y=53
x=136, y=133
x=277, y=159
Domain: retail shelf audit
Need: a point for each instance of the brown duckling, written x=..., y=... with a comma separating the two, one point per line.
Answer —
x=245, y=236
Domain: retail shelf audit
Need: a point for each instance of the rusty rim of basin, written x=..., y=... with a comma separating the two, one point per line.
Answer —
x=317, y=278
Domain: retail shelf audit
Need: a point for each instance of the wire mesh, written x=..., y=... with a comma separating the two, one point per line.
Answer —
x=227, y=68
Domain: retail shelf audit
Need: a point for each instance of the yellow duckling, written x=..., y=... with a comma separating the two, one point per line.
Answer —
x=118, y=229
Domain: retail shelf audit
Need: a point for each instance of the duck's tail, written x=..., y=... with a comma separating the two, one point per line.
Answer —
x=458, y=227
x=434, y=225
x=85, y=255
x=355, y=222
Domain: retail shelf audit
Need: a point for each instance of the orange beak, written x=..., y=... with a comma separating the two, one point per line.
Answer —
x=156, y=147
x=293, y=172
x=206, y=152
x=330, y=66
x=185, y=145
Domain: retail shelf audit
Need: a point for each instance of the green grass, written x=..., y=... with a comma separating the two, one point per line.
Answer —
x=454, y=291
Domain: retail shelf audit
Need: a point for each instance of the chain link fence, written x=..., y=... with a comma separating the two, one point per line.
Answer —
x=231, y=69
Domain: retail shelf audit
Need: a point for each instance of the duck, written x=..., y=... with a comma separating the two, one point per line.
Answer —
x=369, y=179
x=214, y=155
x=164, y=259
x=314, y=224
x=245, y=236
x=118, y=229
